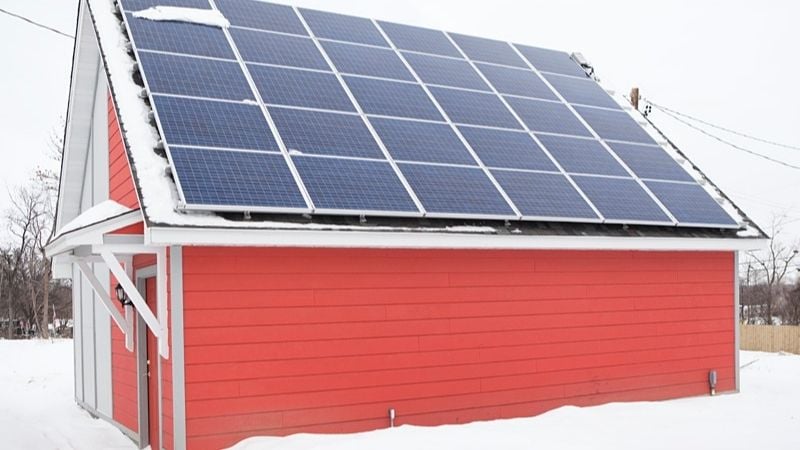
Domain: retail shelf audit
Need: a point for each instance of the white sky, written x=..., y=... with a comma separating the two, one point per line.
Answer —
x=730, y=62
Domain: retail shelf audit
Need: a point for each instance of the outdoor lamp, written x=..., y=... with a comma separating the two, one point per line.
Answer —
x=121, y=296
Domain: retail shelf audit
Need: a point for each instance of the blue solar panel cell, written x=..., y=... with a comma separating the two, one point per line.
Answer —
x=353, y=184
x=370, y=61
x=649, y=161
x=392, y=98
x=408, y=140
x=544, y=195
x=690, y=203
x=406, y=37
x=547, y=117
x=262, y=16
x=138, y=5
x=179, y=37
x=291, y=87
x=578, y=155
x=455, y=190
x=474, y=108
x=324, y=133
x=584, y=91
x=197, y=77
x=554, y=61
x=207, y=123
x=339, y=27
x=520, y=82
x=614, y=125
x=507, y=149
x=621, y=199
x=278, y=49
x=488, y=50
x=446, y=71
x=230, y=178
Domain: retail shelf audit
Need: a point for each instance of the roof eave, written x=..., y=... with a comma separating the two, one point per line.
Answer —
x=237, y=237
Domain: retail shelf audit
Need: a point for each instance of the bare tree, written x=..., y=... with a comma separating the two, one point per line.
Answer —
x=771, y=267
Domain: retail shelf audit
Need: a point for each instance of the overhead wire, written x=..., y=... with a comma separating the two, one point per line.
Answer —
x=720, y=127
x=33, y=22
x=722, y=140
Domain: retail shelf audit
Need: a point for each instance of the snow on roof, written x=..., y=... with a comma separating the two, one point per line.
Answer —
x=96, y=214
x=158, y=193
x=210, y=17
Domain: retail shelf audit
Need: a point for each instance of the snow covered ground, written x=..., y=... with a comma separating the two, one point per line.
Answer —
x=766, y=414
x=37, y=411
x=37, y=405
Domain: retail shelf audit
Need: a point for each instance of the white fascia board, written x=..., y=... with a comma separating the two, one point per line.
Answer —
x=92, y=234
x=158, y=236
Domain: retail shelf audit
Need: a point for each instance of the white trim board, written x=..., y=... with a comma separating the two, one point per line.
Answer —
x=422, y=240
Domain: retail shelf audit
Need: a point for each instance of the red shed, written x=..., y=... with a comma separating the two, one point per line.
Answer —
x=237, y=321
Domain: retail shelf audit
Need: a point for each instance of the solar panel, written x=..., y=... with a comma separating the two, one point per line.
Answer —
x=582, y=91
x=262, y=16
x=179, y=37
x=137, y=5
x=488, y=50
x=291, y=87
x=690, y=203
x=577, y=155
x=614, y=125
x=547, y=117
x=220, y=177
x=529, y=116
x=553, y=61
x=521, y=82
x=205, y=123
x=391, y=98
x=353, y=184
x=406, y=37
x=343, y=28
x=278, y=49
x=455, y=190
x=474, y=108
x=445, y=71
x=507, y=149
x=649, y=161
x=197, y=77
x=621, y=199
x=325, y=133
x=370, y=61
x=408, y=140
x=544, y=195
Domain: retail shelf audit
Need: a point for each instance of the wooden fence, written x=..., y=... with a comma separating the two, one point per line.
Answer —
x=770, y=338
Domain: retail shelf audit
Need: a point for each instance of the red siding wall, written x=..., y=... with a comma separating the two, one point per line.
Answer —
x=120, y=184
x=286, y=340
x=123, y=362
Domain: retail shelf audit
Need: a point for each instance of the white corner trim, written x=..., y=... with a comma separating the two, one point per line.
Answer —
x=178, y=369
x=159, y=236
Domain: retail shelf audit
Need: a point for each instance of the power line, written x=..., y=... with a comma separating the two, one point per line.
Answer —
x=720, y=127
x=724, y=141
x=61, y=33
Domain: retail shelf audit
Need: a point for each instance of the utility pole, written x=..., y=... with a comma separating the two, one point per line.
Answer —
x=635, y=98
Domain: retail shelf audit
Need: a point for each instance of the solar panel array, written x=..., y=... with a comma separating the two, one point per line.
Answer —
x=296, y=110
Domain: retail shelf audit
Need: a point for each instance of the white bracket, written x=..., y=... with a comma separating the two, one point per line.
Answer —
x=158, y=325
x=122, y=322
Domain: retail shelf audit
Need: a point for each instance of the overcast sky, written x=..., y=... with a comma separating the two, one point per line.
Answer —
x=730, y=62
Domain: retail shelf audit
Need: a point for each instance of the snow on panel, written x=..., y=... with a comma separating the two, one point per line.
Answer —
x=209, y=17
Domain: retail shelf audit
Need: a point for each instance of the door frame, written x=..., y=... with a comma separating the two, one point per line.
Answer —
x=142, y=275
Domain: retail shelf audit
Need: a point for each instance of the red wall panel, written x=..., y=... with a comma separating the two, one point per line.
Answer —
x=322, y=340
x=120, y=186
